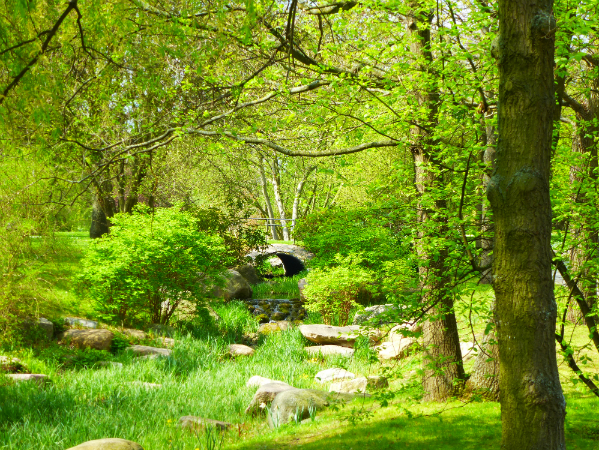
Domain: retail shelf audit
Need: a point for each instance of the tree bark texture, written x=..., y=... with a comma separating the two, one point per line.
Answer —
x=531, y=398
x=443, y=367
x=263, y=179
x=99, y=225
x=278, y=199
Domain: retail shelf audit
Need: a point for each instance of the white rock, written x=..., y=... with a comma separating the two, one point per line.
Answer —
x=350, y=386
x=85, y=323
x=398, y=348
x=326, y=350
x=144, y=350
x=333, y=374
x=37, y=377
x=344, y=336
x=240, y=350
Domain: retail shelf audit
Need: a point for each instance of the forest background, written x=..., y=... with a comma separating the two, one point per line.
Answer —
x=386, y=111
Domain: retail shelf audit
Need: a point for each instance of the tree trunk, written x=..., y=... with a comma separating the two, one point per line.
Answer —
x=531, y=398
x=443, y=368
x=279, y=199
x=99, y=225
x=298, y=195
x=484, y=380
x=272, y=226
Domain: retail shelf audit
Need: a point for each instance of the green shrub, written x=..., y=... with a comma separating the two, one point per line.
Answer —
x=150, y=263
x=344, y=232
x=334, y=291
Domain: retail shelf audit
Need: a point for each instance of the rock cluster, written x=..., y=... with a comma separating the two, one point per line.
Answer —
x=275, y=310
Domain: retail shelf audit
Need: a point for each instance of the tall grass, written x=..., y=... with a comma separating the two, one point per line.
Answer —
x=280, y=287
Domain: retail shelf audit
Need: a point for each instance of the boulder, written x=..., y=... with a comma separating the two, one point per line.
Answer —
x=258, y=381
x=108, y=444
x=396, y=349
x=296, y=403
x=234, y=286
x=135, y=334
x=240, y=350
x=333, y=374
x=47, y=327
x=144, y=350
x=326, y=350
x=158, y=329
x=194, y=423
x=274, y=327
x=79, y=322
x=99, y=339
x=377, y=382
x=8, y=364
x=350, y=386
x=248, y=271
x=36, y=377
x=265, y=395
x=344, y=336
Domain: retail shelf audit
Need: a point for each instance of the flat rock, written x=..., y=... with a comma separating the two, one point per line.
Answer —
x=79, y=322
x=36, y=377
x=333, y=374
x=274, y=327
x=343, y=336
x=144, y=350
x=167, y=342
x=265, y=395
x=198, y=423
x=108, y=444
x=240, y=350
x=327, y=350
x=381, y=314
x=135, y=334
x=397, y=349
x=350, y=386
x=97, y=339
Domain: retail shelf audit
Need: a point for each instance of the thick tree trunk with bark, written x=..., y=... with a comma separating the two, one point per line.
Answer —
x=442, y=363
x=99, y=225
x=532, y=402
x=484, y=380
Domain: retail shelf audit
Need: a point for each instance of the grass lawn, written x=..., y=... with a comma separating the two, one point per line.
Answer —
x=85, y=402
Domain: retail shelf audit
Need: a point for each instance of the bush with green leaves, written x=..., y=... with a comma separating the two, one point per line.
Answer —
x=360, y=231
x=334, y=291
x=151, y=262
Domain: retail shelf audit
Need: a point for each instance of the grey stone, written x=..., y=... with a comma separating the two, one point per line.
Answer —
x=97, y=339
x=108, y=444
x=240, y=350
x=396, y=349
x=194, y=423
x=35, y=377
x=234, y=286
x=9, y=364
x=302, y=283
x=296, y=403
x=135, y=334
x=47, y=326
x=333, y=374
x=265, y=395
x=350, y=386
x=326, y=350
x=248, y=271
x=144, y=350
x=344, y=336
x=85, y=323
